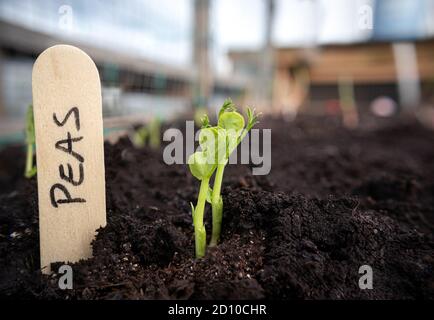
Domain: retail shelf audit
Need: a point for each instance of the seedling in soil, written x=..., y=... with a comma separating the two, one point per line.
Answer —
x=347, y=103
x=139, y=137
x=217, y=143
x=202, y=165
x=30, y=169
x=150, y=132
x=231, y=124
x=155, y=133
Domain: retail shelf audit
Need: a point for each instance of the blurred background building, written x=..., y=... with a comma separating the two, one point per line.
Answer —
x=161, y=58
x=381, y=48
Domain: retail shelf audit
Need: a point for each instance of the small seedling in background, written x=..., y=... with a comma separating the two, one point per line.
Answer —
x=139, y=137
x=155, y=133
x=347, y=102
x=30, y=169
x=217, y=143
x=150, y=132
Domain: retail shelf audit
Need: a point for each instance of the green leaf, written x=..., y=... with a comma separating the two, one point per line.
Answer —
x=192, y=211
x=139, y=137
x=252, y=118
x=227, y=106
x=201, y=165
x=213, y=141
x=208, y=137
x=231, y=120
x=205, y=121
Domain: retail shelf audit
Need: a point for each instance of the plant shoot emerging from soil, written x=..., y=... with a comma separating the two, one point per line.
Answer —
x=202, y=165
x=216, y=143
x=139, y=137
x=231, y=123
x=30, y=169
x=150, y=133
x=155, y=133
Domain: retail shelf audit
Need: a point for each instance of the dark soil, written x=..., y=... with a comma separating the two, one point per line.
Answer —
x=335, y=200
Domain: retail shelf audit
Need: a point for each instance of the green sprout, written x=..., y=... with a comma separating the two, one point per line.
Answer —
x=139, y=137
x=202, y=165
x=217, y=143
x=199, y=113
x=150, y=132
x=30, y=169
x=155, y=133
x=232, y=124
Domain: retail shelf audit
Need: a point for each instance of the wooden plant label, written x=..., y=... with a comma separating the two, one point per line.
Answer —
x=69, y=153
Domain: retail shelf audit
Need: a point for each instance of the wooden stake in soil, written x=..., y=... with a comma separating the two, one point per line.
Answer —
x=69, y=153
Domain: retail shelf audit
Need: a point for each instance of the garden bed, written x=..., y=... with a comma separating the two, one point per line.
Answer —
x=335, y=200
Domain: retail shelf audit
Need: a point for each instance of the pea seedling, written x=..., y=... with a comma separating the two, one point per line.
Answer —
x=217, y=143
x=30, y=169
x=150, y=132
x=155, y=133
x=139, y=137
x=202, y=165
x=232, y=124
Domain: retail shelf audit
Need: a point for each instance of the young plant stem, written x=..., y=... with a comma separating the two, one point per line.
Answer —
x=29, y=172
x=155, y=134
x=199, y=228
x=217, y=206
